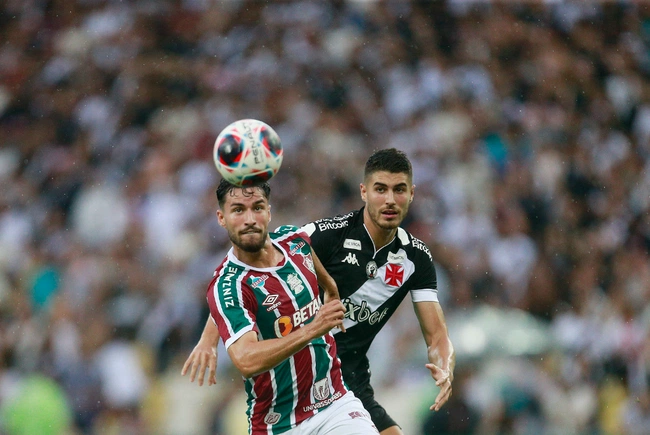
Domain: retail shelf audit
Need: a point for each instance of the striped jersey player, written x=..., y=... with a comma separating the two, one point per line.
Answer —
x=265, y=294
x=273, y=302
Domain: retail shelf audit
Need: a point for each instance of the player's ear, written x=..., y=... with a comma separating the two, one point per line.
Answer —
x=362, y=189
x=220, y=218
x=269, y=212
x=412, y=193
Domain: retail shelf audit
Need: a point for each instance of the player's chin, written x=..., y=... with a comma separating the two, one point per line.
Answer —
x=251, y=244
x=390, y=224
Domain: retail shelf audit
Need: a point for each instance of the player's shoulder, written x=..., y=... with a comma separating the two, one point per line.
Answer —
x=413, y=244
x=340, y=222
x=227, y=269
x=225, y=276
x=284, y=231
x=290, y=235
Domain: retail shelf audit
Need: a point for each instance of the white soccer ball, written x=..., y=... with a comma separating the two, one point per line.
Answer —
x=247, y=151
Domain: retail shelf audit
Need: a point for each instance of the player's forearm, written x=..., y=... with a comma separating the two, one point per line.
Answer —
x=256, y=357
x=441, y=353
x=440, y=350
x=210, y=334
x=325, y=280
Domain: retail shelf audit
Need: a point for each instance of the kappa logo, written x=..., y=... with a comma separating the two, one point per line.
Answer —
x=271, y=302
x=351, y=259
x=352, y=244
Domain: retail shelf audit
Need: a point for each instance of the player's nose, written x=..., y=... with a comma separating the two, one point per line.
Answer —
x=390, y=197
x=249, y=216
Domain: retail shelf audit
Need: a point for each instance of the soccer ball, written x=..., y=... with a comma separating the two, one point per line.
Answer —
x=247, y=151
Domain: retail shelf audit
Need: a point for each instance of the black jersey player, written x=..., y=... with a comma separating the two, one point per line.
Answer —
x=375, y=263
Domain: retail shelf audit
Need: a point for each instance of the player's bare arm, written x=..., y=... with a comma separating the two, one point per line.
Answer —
x=204, y=356
x=326, y=282
x=440, y=351
x=252, y=356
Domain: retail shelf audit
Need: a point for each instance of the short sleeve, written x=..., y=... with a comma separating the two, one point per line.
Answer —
x=232, y=308
x=323, y=242
x=424, y=282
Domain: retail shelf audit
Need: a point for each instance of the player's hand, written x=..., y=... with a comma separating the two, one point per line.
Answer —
x=202, y=358
x=330, y=315
x=443, y=380
x=334, y=296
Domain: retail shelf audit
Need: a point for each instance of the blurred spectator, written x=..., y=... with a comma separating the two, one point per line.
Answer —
x=36, y=393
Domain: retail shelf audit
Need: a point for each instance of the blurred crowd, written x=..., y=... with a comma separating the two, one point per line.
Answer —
x=528, y=124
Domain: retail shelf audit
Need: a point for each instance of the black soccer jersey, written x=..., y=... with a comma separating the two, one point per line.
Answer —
x=372, y=282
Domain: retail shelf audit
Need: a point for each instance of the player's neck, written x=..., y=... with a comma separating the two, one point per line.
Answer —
x=268, y=256
x=380, y=236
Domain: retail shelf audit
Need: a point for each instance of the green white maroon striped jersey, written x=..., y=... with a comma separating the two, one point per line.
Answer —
x=273, y=302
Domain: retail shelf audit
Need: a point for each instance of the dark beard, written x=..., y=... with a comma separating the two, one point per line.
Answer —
x=251, y=248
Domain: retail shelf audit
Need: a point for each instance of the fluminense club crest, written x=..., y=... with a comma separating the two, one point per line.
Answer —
x=295, y=283
x=309, y=263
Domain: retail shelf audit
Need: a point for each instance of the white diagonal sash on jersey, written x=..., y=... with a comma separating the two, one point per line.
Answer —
x=375, y=292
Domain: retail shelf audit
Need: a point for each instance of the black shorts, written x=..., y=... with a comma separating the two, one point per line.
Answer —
x=356, y=374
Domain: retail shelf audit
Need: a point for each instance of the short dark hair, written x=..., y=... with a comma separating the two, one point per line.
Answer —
x=226, y=187
x=390, y=160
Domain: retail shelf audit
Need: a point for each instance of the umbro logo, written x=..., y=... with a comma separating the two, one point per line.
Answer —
x=271, y=302
x=351, y=259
